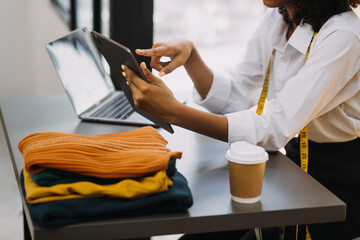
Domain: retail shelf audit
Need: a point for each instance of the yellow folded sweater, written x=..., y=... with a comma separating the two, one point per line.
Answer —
x=128, y=154
x=127, y=188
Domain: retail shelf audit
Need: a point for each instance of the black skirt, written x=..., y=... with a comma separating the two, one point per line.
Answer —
x=337, y=167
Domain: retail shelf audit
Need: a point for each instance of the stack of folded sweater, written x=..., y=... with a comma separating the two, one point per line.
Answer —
x=69, y=178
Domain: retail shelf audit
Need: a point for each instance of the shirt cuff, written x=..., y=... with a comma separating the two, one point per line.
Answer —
x=218, y=95
x=241, y=127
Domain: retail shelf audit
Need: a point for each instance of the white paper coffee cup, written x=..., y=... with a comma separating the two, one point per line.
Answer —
x=246, y=171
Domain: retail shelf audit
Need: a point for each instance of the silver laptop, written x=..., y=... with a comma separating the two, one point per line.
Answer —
x=88, y=86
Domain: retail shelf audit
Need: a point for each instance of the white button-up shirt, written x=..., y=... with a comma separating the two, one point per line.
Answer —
x=324, y=94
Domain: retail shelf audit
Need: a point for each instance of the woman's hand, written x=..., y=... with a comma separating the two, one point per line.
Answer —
x=152, y=97
x=178, y=51
x=181, y=53
x=156, y=99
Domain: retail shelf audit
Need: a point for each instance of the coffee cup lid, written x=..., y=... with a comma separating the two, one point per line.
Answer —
x=246, y=153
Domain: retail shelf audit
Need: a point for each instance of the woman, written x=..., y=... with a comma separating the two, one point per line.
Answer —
x=323, y=94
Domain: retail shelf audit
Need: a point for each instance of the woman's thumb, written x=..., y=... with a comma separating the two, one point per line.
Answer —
x=149, y=76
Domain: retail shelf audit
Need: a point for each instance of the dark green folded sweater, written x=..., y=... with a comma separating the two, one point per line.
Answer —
x=59, y=213
x=53, y=177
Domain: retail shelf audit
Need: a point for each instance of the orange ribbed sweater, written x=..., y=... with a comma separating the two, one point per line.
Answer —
x=128, y=154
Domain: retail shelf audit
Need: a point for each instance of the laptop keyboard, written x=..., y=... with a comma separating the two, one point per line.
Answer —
x=118, y=108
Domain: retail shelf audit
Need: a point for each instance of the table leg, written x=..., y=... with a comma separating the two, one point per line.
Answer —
x=27, y=235
x=282, y=233
x=258, y=234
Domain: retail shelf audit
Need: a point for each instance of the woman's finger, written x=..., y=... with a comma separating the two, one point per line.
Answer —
x=168, y=67
x=156, y=63
x=157, y=51
x=164, y=64
x=135, y=91
x=149, y=76
x=133, y=78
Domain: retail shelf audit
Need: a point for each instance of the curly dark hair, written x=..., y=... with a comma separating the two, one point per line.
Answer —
x=317, y=12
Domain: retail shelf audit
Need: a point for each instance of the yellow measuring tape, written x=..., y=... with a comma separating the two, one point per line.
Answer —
x=264, y=91
x=304, y=143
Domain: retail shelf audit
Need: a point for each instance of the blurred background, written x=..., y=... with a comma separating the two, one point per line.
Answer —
x=219, y=29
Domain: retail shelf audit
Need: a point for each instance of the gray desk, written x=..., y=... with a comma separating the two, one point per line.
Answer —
x=289, y=197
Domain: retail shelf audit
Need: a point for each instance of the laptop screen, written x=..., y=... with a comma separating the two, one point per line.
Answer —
x=78, y=63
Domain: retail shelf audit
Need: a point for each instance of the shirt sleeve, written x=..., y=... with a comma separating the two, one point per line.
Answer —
x=314, y=90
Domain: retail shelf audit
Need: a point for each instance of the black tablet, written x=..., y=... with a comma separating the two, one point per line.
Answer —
x=117, y=55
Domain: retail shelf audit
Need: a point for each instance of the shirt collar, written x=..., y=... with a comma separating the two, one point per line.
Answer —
x=299, y=40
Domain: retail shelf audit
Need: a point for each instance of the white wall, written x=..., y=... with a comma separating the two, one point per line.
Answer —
x=25, y=27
